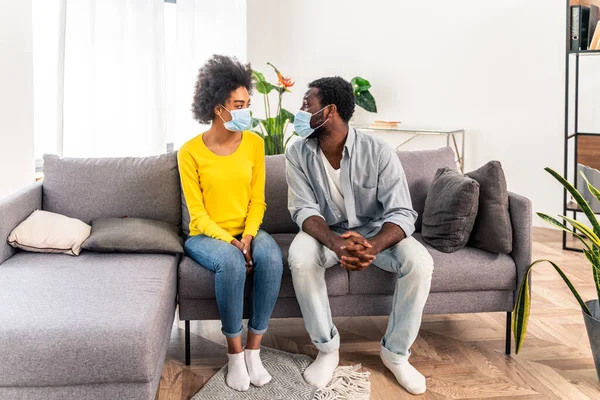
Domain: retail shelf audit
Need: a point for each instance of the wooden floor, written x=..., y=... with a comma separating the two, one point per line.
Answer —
x=462, y=356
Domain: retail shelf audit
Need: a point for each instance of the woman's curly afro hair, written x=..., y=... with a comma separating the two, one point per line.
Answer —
x=217, y=78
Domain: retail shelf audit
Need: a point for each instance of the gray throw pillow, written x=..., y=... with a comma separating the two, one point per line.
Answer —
x=450, y=210
x=133, y=235
x=492, y=231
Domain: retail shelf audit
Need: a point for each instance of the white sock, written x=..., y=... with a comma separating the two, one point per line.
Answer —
x=259, y=376
x=407, y=376
x=320, y=372
x=237, y=374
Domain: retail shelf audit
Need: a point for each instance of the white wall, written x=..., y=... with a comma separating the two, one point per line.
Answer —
x=16, y=96
x=494, y=68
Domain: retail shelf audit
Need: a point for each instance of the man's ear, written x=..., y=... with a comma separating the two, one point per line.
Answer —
x=332, y=110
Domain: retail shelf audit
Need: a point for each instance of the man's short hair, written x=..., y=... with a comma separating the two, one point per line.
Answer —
x=338, y=91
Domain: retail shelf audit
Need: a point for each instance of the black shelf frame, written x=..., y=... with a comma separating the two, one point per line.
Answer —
x=572, y=134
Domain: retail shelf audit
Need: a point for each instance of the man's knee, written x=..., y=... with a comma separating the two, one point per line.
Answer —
x=305, y=252
x=416, y=260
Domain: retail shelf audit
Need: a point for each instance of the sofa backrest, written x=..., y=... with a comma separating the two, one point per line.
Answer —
x=277, y=218
x=91, y=188
x=419, y=166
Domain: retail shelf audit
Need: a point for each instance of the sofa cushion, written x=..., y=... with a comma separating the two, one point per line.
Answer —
x=492, y=230
x=91, y=188
x=196, y=282
x=420, y=168
x=46, y=232
x=134, y=235
x=450, y=210
x=467, y=269
x=96, y=318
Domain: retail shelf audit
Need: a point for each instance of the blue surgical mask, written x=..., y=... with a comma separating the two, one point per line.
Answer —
x=241, y=120
x=302, y=123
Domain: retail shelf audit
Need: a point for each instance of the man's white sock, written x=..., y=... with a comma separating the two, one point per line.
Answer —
x=237, y=374
x=320, y=372
x=259, y=376
x=407, y=376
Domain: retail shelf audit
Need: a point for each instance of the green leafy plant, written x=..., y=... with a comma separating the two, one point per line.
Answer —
x=591, y=248
x=272, y=128
x=364, y=98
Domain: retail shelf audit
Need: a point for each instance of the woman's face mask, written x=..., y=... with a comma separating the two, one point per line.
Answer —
x=241, y=120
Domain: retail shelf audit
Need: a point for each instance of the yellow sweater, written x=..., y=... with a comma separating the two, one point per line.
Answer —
x=225, y=195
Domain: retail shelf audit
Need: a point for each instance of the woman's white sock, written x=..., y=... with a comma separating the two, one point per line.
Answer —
x=259, y=376
x=237, y=374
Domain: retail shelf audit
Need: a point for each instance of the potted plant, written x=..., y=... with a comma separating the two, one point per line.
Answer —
x=591, y=248
x=363, y=97
x=273, y=128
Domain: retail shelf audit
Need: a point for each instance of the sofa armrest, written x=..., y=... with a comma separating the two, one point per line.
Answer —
x=520, y=217
x=14, y=209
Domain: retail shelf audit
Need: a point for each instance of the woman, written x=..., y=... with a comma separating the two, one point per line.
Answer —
x=223, y=178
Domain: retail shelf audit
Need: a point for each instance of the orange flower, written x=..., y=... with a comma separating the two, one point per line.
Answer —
x=284, y=82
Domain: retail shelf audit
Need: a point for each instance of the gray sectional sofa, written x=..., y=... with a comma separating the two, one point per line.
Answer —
x=97, y=326
x=466, y=281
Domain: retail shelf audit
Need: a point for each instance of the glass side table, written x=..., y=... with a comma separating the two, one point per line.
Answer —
x=415, y=131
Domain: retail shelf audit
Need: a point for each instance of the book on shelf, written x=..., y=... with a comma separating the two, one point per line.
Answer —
x=580, y=19
x=593, y=25
x=384, y=124
x=595, y=43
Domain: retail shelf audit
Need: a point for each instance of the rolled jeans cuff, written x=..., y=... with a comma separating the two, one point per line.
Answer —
x=257, y=331
x=332, y=345
x=392, y=357
x=232, y=335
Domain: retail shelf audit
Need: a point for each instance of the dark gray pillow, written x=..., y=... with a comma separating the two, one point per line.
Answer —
x=450, y=210
x=492, y=230
x=133, y=235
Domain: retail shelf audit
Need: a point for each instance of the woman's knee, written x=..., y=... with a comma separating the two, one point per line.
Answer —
x=267, y=253
x=231, y=263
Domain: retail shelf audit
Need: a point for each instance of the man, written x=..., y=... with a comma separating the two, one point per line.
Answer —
x=349, y=196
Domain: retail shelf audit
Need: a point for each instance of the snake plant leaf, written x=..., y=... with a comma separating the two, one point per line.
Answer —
x=584, y=229
x=590, y=187
x=561, y=226
x=523, y=303
x=583, y=205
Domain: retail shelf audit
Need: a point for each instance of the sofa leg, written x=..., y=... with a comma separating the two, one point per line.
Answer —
x=187, y=343
x=508, y=331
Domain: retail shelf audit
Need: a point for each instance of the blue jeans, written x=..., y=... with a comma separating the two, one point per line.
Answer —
x=229, y=266
x=413, y=267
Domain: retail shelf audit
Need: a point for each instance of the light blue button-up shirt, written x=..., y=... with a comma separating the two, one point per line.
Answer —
x=373, y=181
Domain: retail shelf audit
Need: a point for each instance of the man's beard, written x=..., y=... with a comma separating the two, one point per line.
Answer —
x=320, y=132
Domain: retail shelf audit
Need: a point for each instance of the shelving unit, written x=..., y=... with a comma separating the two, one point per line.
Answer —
x=572, y=135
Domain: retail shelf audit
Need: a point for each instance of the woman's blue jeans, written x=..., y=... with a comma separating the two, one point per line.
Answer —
x=229, y=266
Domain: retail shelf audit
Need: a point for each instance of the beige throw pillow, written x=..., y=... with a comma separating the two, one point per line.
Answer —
x=46, y=232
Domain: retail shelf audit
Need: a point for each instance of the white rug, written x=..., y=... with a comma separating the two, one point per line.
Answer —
x=288, y=384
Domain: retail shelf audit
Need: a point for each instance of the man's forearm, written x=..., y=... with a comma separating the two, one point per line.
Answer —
x=389, y=235
x=318, y=228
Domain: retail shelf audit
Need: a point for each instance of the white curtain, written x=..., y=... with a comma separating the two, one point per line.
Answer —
x=114, y=78
x=204, y=28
